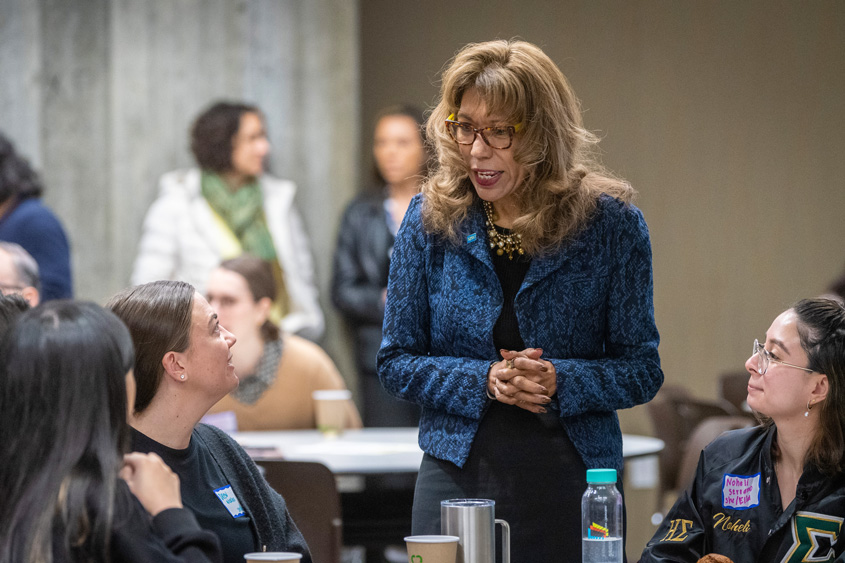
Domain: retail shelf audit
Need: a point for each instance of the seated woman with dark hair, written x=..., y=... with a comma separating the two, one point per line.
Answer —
x=183, y=365
x=65, y=383
x=775, y=492
x=278, y=371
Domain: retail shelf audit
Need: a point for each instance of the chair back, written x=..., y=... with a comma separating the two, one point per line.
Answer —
x=674, y=415
x=707, y=431
x=312, y=499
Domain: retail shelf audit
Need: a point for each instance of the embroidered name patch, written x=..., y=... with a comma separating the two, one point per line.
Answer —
x=230, y=501
x=740, y=492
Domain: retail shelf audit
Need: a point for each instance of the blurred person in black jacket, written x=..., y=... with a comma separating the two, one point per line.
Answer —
x=362, y=256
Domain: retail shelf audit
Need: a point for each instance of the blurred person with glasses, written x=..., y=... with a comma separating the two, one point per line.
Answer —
x=775, y=492
x=519, y=310
x=19, y=273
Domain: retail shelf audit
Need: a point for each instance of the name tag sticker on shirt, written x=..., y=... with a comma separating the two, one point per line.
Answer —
x=740, y=491
x=230, y=501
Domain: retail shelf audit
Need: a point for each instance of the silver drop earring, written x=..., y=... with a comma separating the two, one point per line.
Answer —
x=809, y=406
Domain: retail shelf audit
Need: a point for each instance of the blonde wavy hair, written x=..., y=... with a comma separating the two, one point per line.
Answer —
x=563, y=180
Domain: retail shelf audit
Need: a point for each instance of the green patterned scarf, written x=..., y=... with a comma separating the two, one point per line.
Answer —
x=243, y=212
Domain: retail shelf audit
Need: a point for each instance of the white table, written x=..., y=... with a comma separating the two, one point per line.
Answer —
x=359, y=457
x=373, y=450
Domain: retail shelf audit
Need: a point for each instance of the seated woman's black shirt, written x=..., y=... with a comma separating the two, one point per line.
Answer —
x=207, y=493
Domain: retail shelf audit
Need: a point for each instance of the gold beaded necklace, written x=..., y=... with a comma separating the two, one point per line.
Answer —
x=502, y=243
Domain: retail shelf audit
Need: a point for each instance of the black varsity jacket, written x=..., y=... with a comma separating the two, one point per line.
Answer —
x=733, y=508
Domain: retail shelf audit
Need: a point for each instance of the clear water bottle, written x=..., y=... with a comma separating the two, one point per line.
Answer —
x=601, y=518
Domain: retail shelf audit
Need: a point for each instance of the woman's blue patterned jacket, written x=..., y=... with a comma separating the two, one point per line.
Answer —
x=588, y=306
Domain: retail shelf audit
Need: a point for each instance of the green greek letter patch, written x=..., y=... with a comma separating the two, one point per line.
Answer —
x=813, y=537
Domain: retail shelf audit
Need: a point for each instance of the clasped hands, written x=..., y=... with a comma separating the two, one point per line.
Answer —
x=523, y=379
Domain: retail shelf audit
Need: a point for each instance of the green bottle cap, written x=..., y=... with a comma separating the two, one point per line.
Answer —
x=601, y=476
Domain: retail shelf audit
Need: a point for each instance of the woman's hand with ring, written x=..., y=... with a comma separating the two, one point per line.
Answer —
x=514, y=383
x=534, y=367
x=531, y=382
x=500, y=372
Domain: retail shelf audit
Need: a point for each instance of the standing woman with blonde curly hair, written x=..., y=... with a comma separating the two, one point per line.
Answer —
x=519, y=309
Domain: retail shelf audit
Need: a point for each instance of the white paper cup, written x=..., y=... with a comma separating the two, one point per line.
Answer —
x=330, y=409
x=272, y=556
x=432, y=549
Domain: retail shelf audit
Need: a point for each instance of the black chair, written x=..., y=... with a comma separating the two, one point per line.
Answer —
x=312, y=499
x=674, y=415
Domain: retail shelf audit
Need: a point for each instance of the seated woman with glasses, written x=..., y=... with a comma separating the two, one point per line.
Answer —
x=519, y=302
x=775, y=492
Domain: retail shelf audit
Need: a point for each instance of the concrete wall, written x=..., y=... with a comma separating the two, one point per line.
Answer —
x=99, y=94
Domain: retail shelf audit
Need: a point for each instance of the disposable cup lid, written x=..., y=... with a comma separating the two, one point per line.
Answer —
x=432, y=539
x=599, y=476
x=273, y=556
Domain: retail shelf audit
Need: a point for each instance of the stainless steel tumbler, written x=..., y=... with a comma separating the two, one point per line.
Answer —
x=474, y=521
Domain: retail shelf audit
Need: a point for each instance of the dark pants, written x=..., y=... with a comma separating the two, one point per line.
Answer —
x=529, y=466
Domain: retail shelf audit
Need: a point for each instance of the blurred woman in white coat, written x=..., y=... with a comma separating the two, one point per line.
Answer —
x=227, y=206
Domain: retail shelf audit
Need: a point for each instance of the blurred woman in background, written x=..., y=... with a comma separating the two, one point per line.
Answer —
x=226, y=206
x=364, y=245
x=65, y=385
x=277, y=371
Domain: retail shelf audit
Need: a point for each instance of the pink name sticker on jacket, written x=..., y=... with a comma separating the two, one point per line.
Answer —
x=740, y=492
